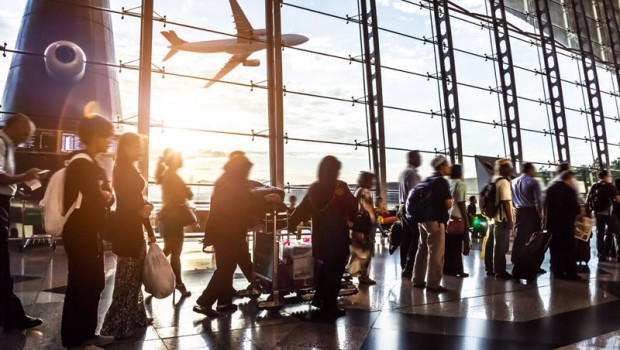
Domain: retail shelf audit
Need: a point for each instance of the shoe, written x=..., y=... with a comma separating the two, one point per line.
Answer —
x=438, y=289
x=25, y=323
x=419, y=285
x=184, y=292
x=490, y=273
x=100, y=340
x=207, y=311
x=318, y=303
x=228, y=308
x=86, y=347
x=463, y=275
x=542, y=271
x=406, y=274
x=333, y=312
x=149, y=321
x=504, y=276
x=366, y=280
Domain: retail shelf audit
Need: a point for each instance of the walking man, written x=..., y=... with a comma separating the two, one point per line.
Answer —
x=600, y=201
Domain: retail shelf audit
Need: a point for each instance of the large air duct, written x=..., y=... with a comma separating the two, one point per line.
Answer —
x=55, y=85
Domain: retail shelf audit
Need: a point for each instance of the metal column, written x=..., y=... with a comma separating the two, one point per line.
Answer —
x=611, y=23
x=271, y=91
x=507, y=79
x=144, y=95
x=279, y=104
x=447, y=65
x=372, y=65
x=588, y=63
x=554, y=83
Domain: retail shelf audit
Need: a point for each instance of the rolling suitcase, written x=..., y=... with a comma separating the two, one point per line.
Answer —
x=583, y=232
x=533, y=254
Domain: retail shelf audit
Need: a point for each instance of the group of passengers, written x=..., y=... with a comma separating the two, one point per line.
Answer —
x=343, y=228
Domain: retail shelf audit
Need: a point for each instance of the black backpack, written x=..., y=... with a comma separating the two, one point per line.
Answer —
x=488, y=196
x=418, y=207
x=596, y=200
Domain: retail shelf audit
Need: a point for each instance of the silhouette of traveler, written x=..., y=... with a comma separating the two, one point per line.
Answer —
x=409, y=178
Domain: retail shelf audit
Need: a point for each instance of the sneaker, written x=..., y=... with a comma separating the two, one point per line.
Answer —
x=438, y=289
x=504, y=276
x=26, y=323
x=366, y=280
x=207, y=311
x=228, y=308
x=100, y=340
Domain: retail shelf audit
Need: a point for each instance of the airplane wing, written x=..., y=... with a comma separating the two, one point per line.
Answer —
x=233, y=62
x=244, y=28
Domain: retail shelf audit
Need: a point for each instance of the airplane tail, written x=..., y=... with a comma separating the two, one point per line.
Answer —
x=174, y=40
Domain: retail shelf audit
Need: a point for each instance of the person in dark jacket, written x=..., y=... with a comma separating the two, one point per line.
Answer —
x=561, y=209
x=175, y=194
x=131, y=218
x=81, y=237
x=233, y=210
x=332, y=207
x=429, y=259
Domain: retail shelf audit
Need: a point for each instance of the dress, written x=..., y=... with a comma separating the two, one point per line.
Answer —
x=127, y=308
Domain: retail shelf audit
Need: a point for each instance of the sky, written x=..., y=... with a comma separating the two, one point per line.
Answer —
x=185, y=103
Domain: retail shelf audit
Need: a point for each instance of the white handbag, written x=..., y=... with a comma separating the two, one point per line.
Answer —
x=158, y=277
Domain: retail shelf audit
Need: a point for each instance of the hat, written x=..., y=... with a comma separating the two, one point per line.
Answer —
x=438, y=161
x=502, y=162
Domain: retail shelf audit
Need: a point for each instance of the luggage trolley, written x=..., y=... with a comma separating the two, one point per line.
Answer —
x=291, y=284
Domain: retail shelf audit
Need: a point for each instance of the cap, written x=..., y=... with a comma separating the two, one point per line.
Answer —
x=502, y=162
x=438, y=161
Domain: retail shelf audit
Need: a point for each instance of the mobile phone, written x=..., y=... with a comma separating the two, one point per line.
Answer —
x=43, y=172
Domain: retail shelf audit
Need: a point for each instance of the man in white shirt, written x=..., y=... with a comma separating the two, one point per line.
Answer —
x=17, y=129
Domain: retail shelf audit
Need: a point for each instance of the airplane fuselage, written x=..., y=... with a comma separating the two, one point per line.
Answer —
x=234, y=47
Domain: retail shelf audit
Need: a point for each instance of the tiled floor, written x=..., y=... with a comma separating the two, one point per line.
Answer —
x=478, y=312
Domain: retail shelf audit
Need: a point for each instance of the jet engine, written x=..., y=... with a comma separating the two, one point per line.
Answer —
x=65, y=60
x=251, y=63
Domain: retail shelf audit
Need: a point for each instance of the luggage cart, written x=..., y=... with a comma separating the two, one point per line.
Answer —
x=269, y=270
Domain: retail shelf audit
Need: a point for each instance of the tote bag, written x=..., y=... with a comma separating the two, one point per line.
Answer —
x=158, y=278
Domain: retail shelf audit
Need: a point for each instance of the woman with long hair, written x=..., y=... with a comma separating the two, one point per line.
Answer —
x=175, y=194
x=130, y=219
x=332, y=207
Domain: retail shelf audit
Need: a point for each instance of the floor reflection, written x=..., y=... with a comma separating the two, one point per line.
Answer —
x=477, y=312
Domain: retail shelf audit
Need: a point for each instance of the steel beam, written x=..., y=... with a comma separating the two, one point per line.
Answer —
x=507, y=79
x=447, y=66
x=611, y=23
x=588, y=63
x=554, y=82
x=279, y=92
x=271, y=91
x=144, y=85
x=374, y=89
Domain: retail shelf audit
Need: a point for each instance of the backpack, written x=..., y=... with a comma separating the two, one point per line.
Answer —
x=418, y=207
x=596, y=201
x=488, y=199
x=52, y=204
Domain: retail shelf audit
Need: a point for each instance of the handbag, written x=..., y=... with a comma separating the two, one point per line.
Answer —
x=456, y=226
x=181, y=214
x=362, y=222
x=157, y=276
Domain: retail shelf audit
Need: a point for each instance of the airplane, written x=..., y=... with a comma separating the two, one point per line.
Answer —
x=249, y=41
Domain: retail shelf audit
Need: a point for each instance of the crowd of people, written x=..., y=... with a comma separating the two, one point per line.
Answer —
x=433, y=214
